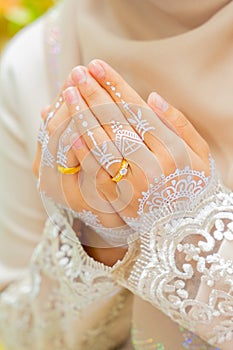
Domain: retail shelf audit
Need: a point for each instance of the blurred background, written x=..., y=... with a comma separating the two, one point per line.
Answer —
x=16, y=14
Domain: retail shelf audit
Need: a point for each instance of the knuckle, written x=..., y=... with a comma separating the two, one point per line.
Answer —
x=180, y=121
x=91, y=93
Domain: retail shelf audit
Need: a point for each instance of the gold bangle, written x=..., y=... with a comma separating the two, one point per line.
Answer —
x=122, y=172
x=69, y=171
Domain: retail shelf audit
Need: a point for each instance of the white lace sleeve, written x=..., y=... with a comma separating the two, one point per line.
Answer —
x=69, y=301
x=184, y=267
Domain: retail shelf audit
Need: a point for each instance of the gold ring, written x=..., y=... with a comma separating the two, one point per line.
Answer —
x=69, y=171
x=122, y=172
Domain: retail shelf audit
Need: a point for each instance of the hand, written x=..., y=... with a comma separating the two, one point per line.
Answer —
x=114, y=118
x=134, y=132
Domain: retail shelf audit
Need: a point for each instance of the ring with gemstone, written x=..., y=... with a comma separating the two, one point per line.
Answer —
x=122, y=172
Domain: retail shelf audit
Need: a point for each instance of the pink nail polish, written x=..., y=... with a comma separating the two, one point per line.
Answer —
x=159, y=102
x=71, y=96
x=76, y=141
x=96, y=69
x=79, y=75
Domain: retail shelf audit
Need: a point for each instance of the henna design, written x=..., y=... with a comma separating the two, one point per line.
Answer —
x=141, y=125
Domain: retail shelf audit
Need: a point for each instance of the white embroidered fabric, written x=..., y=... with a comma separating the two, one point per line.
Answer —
x=185, y=267
x=171, y=196
x=68, y=301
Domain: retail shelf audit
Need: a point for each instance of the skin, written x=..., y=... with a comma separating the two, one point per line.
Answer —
x=84, y=91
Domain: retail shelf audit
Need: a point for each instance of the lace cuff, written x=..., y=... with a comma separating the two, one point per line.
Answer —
x=184, y=267
x=68, y=300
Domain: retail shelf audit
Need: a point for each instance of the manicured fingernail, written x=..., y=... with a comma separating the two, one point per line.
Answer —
x=96, y=69
x=159, y=102
x=71, y=96
x=79, y=75
x=76, y=141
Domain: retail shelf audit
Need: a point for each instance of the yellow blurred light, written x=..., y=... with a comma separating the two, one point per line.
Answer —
x=7, y=5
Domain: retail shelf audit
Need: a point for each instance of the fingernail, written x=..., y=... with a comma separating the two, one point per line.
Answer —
x=159, y=102
x=76, y=141
x=96, y=69
x=71, y=96
x=79, y=75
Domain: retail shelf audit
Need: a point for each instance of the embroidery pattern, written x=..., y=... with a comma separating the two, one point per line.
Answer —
x=176, y=261
x=168, y=196
x=74, y=282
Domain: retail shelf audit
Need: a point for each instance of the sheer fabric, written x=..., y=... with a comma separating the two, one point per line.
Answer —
x=23, y=219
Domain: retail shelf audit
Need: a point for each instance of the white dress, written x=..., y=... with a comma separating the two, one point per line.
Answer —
x=53, y=295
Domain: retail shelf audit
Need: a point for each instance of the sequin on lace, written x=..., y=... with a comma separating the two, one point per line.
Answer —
x=145, y=344
x=191, y=342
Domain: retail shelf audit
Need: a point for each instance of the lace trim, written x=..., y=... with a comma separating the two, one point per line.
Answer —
x=74, y=281
x=173, y=263
x=191, y=342
x=173, y=196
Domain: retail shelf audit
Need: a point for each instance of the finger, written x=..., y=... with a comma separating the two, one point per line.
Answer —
x=47, y=116
x=176, y=120
x=106, y=111
x=79, y=145
x=113, y=121
x=95, y=137
x=143, y=119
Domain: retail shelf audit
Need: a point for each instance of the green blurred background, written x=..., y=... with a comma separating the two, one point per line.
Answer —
x=15, y=14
